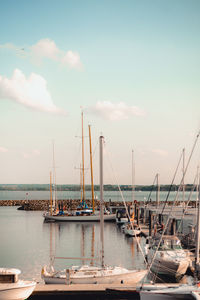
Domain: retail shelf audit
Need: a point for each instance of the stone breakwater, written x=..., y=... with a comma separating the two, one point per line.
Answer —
x=43, y=205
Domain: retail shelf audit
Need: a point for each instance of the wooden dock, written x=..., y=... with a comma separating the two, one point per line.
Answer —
x=84, y=291
x=88, y=291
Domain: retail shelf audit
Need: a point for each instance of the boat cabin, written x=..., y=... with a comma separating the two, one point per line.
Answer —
x=9, y=275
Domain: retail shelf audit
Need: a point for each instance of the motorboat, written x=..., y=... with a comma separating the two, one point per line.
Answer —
x=121, y=216
x=131, y=229
x=11, y=288
x=166, y=256
x=164, y=292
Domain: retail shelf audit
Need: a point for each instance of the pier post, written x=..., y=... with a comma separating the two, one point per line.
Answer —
x=138, y=216
x=150, y=222
x=159, y=218
x=173, y=226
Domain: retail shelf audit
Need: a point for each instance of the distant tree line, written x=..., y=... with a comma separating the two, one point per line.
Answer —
x=76, y=187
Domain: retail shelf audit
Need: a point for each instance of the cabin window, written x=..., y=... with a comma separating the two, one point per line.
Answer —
x=7, y=278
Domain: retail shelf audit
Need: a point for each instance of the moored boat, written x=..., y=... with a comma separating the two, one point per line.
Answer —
x=169, y=258
x=11, y=288
x=94, y=274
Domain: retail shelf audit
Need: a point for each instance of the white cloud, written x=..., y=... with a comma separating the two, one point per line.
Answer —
x=3, y=149
x=115, y=111
x=160, y=152
x=31, y=92
x=47, y=49
x=72, y=59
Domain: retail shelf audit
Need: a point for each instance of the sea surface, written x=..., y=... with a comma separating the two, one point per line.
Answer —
x=28, y=243
x=113, y=195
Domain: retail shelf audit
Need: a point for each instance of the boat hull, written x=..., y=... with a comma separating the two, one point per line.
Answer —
x=16, y=291
x=89, y=218
x=181, y=292
x=131, y=232
x=170, y=268
x=97, y=277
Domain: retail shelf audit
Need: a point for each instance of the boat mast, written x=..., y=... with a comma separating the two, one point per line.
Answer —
x=91, y=168
x=198, y=227
x=83, y=177
x=158, y=191
x=54, y=179
x=50, y=194
x=81, y=183
x=133, y=177
x=183, y=185
x=101, y=139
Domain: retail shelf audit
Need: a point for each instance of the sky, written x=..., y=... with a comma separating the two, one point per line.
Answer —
x=132, y=67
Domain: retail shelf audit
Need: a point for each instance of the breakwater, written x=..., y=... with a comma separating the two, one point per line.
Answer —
x=40, y=205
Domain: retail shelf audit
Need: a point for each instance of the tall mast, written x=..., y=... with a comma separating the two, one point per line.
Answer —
x=81, y=183
x=54, y=179
x=183, y=185
x=101, y=139
x=50, y=194
x=198, y=224
x=91, y=168
x=158, y=191
x=133, y=177
x=83, y=168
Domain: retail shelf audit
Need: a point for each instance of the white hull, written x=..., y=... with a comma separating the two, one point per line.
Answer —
x=92, y=275
x=170, y=267
x=131, y=232
x=16, y=291
x=182, y=292
x=89, y=218
x=121, y=220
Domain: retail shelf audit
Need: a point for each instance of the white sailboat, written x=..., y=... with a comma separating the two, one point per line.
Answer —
x=82, y=214
x=131, y=228
x=11, y=288
x=91, y=274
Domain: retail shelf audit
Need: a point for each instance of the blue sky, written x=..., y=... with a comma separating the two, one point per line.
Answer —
x=133, y=66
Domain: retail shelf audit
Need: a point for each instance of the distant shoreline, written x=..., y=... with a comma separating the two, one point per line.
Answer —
x=74, y=187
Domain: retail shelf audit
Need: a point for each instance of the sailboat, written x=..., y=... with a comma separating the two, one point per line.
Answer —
x=82, y=213
x=93, y=274
x=131, y=228
x=11, y=288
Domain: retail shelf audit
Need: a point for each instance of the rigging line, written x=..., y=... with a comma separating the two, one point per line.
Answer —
x=172, y=182
x=170, y=188
x=137, y=240
x=150, y=192
x=188, y=201
x=165, y=227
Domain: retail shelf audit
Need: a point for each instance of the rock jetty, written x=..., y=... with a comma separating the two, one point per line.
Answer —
x=42, y=205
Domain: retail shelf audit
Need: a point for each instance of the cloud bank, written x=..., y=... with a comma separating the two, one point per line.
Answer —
x=31, y=92
x=115, y=111
x=47, y=49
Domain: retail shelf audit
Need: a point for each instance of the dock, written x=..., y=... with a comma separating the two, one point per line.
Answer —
x=84, y=291
x=88, y=291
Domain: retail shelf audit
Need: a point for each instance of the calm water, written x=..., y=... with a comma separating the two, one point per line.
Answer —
x=113, y=195
x=28, y=243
